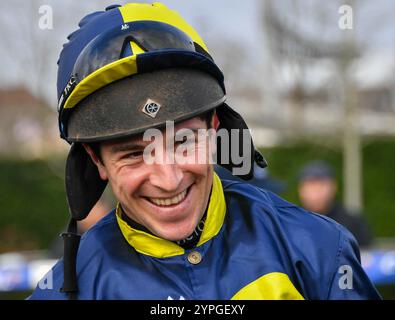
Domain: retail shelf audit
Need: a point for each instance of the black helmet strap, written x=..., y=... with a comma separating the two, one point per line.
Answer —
x=71, y=241
x=84, y=188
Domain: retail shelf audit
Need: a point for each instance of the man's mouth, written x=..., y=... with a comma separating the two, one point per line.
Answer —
x=169, y=201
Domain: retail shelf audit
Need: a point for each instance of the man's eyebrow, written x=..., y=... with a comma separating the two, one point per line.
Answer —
x=186, y=131
x=126, y=147
x=138, y=145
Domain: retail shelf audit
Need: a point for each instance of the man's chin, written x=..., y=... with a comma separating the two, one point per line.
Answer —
x=175, y=231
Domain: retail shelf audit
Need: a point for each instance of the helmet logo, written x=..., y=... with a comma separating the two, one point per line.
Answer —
x=125, y=27
x=67, y=91
x=151, y=108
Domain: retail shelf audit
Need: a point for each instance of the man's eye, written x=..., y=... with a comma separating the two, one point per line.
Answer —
x=186, y=141
x=134, y=154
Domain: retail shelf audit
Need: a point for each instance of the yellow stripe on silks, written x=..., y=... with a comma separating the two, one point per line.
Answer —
x=159, y=12
x=271, y=286
x=151, y=245
x=111, y=72
x=215, y=212
x=146, y=243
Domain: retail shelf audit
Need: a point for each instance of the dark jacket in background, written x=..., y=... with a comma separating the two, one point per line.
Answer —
x=355, y=223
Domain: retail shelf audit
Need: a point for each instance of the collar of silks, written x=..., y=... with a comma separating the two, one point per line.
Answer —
x=151, y=245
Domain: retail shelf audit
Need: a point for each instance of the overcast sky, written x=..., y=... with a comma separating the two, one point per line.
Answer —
x=216, y=20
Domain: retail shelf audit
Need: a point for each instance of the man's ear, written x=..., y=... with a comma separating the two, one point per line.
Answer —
x=215, y=121
x=213, y=137
x=100, y=166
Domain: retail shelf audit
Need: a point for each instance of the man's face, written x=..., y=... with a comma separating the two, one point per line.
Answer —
x=317, y=194
x=167, y=198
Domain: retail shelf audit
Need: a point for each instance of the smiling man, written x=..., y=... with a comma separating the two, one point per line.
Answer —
x=167, y=197
x=178, y=231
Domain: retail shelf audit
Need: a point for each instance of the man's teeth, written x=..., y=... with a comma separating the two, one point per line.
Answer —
x=169, y=201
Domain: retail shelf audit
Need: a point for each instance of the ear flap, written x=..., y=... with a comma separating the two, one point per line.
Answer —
x=230, y=119
x=84, y=186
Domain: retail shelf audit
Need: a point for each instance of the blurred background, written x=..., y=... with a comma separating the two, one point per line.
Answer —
x=315, y=80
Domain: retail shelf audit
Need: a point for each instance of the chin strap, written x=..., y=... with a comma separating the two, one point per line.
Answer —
x=71, y=242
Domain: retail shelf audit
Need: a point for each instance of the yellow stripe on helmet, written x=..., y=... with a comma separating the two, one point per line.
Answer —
x=101, y=77
x=127, y=66
x=159, y=12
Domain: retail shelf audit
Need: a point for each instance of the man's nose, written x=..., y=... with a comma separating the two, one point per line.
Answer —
x=167, y=177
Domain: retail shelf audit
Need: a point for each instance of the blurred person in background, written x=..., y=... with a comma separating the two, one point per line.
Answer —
x=317, y=192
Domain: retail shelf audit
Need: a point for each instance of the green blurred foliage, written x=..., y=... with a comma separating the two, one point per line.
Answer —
x=33, y=204
x=378, y=176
